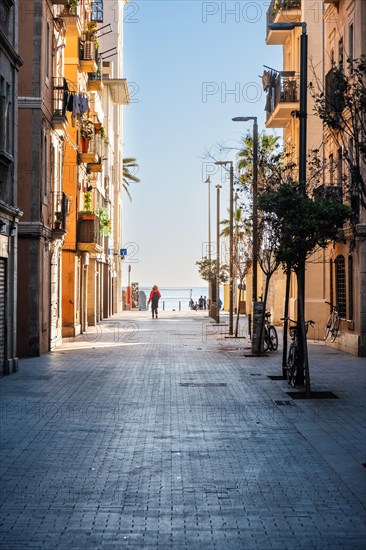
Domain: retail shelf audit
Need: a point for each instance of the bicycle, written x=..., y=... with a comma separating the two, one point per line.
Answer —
x=270, y=334
x=293, y=352
x=332, y=325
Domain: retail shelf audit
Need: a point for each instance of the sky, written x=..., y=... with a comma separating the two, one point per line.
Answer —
x=192, y=66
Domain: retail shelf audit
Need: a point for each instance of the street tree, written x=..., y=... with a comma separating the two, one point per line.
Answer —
x=300, y=224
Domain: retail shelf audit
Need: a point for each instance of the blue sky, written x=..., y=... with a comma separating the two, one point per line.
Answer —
x=194, y=66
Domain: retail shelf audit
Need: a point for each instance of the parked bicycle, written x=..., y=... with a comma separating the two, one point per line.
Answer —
x=270, y=334
x=293, y=352
x=332, y=326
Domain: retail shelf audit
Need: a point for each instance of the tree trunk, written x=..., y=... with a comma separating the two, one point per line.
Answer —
x=268, y=278
x=303, y=366
x=285, y=325
x=238, y=310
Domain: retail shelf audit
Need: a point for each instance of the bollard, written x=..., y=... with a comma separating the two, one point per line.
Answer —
x=163, y=306
x=180, y=306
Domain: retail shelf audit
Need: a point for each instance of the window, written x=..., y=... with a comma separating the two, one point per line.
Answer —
x=332, y=58
x=350, y=288
x=97, y=11
x=48, y=50
x=341, y=285
x=340, y=170
x=340, y=54
x=331, y=169
x=350, y=48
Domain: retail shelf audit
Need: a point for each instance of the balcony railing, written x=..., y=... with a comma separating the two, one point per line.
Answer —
x=285, y=90
x=60, y=210
x=60, y=98
x=89, y=230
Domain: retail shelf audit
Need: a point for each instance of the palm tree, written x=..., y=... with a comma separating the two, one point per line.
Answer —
x=129, y=165
x=269, y=155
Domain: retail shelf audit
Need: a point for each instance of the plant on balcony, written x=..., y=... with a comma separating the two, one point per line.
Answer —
x=286, y=5
x=86, y=134
x=105, y=222
x=59, y=218
x=87, y=213
x=71, y=7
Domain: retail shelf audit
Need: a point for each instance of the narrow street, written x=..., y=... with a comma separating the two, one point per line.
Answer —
x=162, y=435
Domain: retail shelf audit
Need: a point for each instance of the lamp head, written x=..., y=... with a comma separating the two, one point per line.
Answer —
x=244, y=118
x=208, y=180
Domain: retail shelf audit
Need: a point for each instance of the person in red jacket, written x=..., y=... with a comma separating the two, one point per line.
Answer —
x=154, y=299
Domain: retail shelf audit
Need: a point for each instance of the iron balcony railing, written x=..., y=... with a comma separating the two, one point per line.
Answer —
x=60, y=209
x=88, y=230
x=281, y=5
x=285, y=89
x=60, y=96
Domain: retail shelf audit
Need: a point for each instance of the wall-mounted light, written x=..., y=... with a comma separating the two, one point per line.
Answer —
x=12, y=231
x=2, y=227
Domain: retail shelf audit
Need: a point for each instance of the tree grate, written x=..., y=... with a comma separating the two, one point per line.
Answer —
x=314, y=395
x=276, y=377
x=282, y=403
x=202, y=384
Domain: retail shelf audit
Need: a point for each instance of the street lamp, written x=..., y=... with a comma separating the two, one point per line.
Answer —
x=255, y=196
x=208, y=180
x=302, y=115
x=218, y=187
x=231, y=251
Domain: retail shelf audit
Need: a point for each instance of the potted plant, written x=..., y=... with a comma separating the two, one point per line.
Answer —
x=87, y=213
x=104, y=222
x=59, y=218
x=86, y=134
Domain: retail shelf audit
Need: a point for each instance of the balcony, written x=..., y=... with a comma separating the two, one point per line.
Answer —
x=71, y=16
x=88, y=53
x=95, y=82
x=282, y=99
x=88, y=233
x=119, y=90
x=91, y=152
x=282, y=11
x=61, y=2
x=60, y=210
x=59, y=100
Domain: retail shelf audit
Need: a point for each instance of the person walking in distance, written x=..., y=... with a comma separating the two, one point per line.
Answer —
x=154, y=299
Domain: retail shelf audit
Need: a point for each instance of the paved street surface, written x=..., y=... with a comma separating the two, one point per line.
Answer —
x=160, y=434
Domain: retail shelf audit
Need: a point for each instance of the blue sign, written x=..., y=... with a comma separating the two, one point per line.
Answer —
x=123, y=252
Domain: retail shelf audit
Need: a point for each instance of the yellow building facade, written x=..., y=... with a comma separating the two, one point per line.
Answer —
x=334, y=275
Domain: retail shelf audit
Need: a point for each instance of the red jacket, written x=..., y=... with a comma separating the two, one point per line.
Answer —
x=154, y=296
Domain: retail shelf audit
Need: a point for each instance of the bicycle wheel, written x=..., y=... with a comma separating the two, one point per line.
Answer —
x=273, y=338
x=290, y=363
x=335, y=329
x=328, y=327
x=266, y=343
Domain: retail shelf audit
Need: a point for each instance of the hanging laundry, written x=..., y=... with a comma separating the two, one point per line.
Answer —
x=266, y=80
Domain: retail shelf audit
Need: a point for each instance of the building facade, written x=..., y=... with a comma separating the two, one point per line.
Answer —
x=10, y=213
x=69, y=138
x=335, y=275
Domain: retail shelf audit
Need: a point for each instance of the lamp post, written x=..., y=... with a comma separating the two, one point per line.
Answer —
x=231, y=250
x=303, y=112
x=255, y=211
x=218, y=187
x=208, y=180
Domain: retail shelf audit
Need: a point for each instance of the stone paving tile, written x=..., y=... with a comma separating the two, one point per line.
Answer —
x=161, y=434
